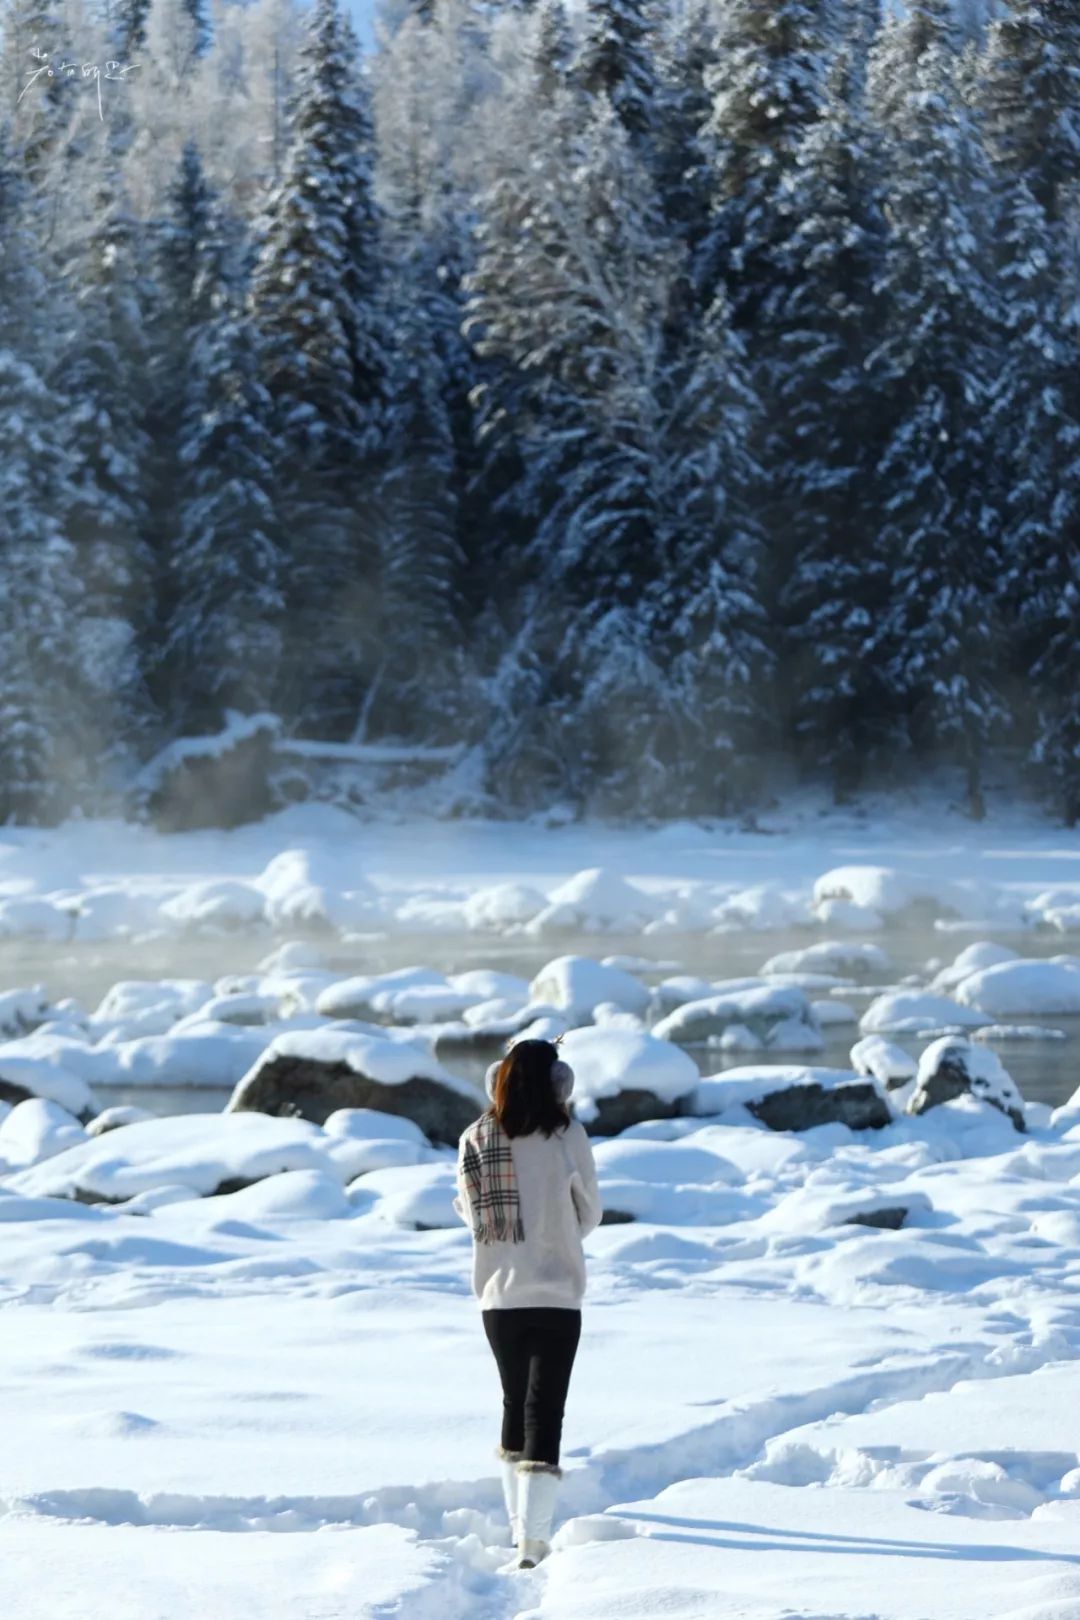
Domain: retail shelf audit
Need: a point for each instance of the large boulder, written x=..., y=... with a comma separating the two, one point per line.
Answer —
x=955, y=1067
x=314, y=1073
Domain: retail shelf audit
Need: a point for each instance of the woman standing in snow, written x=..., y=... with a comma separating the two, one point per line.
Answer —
x=527, y=1187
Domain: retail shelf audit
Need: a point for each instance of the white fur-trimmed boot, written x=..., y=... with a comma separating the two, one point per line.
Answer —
x=538, y=1487
x=508, y=1461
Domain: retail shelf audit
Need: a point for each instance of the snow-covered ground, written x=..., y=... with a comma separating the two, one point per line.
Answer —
x=277, y=1401
x=313, y=865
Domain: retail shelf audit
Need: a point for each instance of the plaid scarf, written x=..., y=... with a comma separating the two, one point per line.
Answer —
x=488, y=1168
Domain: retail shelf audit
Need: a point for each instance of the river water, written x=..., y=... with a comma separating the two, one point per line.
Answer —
x=1045, y=1071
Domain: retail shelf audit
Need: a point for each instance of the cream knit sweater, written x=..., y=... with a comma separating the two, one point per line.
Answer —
x=560, y=1204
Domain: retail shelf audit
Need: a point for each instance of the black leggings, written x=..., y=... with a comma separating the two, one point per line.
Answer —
x=535, y=1350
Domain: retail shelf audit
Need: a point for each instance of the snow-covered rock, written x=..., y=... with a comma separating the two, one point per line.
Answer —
x=595, y=901
x=207, y=1153
x=1024, y=988
x=884, y=1060
x=308, y=887
x=489, y=984
x=779, y=1016
x=763, y=906
x=789, y=1098
x=222, y=904
x=915, y=1011
x=842, y=958
x=114, y=1119
x=502, y=908
x=405, y=995
x=36, y=1130
x=315, y=1073
x=23, y=1077
x=983, y=953
x=22, y=1011
x=952, y=1067
x=36, y=917
x=676, y=991
x=149, y=1006
x=245, y=1008
x=622, y=1076
x=576, y=984
x=888, y=892
x=848, y=916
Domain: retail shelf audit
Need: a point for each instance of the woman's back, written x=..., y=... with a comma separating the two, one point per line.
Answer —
x=560, y=1204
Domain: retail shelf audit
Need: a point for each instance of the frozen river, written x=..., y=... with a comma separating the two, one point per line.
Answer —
x=1045, y=1071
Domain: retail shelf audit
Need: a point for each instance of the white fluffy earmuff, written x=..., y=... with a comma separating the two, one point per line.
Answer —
x=563, y=1076
x=561, y=1073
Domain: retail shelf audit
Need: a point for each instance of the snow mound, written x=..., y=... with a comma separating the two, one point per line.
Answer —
x=392, y=1059
x=419, y=1197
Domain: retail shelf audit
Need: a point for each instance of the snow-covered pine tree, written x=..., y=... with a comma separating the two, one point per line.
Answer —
x=828, y=433
x=101, y=372
x=614, y=420
x=39, y=604
x=312, y=299
x=936, y=644
x=433, y=89
x=765, y=83
x=224, y=631
x=1030, y=98
x=210, y=462
x=687, y=46
x=419, y=681
x=711, y=626
x=552, y=49
x=617, y=60
x=129, y=27
x=41, y=102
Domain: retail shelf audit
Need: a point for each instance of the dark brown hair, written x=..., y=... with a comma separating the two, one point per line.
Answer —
x=525, y=1097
